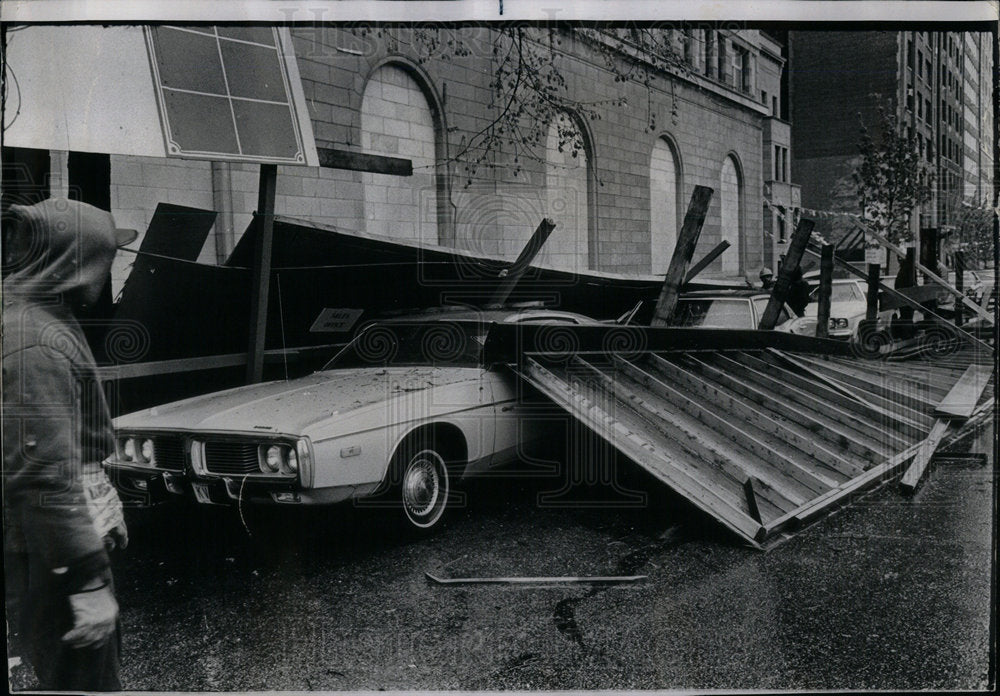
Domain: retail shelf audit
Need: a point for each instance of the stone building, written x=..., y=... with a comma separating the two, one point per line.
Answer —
x=618, y=201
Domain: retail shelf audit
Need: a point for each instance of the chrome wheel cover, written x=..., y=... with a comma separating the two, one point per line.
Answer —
x=424, y=488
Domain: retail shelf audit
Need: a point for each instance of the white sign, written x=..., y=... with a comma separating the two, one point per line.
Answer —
x=335, y=320
x=875, y=255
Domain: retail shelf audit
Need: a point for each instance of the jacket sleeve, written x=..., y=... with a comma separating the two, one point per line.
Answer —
x=42, y=464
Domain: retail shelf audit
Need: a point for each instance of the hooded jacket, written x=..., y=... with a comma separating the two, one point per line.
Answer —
x=55, y=417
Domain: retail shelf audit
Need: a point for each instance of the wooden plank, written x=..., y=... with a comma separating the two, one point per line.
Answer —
x=883, y=470
x=874, y=384
x=906, y=420
x=751, y=498
x=789, y=477
x=825, y=291
x=820, y=428
x=700, y=443
x=784, y=281
x=708, y=258
x=915, y=375
x=687, y=240
x=797, y=440
x=261, y=271
x=704, y=498
x=915, y=305
x=846, y=425
x=913, y=475
x=513, y=274
x=871, y=298
x=961, y=401
x=960, y=286
x=928, y=273
x=363, y=162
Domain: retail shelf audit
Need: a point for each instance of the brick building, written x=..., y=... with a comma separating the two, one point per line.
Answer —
x=936, y=82
x=618, y=202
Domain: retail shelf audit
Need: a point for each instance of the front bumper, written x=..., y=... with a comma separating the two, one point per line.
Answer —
x=149, y=486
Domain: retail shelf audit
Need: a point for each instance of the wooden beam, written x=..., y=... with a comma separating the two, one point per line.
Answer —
x=960, y=286
x=261, y=271
x=871, y=303
x=913, y=475
x=915, y=305
x=929, y=274
x=513, y=273
x=783, y=473
x=793, y=434
x=705, y=260
x=687, y=240
x=961, y=401
x=751, y=498
x=784, y=282
x=825, y=291
x=363, y=162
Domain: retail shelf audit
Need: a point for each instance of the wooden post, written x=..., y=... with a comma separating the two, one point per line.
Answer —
x=874, y=273
x=960, y=286
x=261, y=271
x=511, y=275
x=687, y=240
x=751, y=499
x=903, y=299
x=796, y=247
x=825, y=290
x=707, y=259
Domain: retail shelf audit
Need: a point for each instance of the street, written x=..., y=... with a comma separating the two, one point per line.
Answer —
x=888, y=593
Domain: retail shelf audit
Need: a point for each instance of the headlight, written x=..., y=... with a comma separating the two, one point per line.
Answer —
x=838, y=323
x=147, y=451
x=128, y=449
x=272, y=459
x=293, y=461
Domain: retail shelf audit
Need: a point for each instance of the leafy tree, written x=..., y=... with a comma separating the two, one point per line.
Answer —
x=528, y=88
x=891, y=179
x=974, y=234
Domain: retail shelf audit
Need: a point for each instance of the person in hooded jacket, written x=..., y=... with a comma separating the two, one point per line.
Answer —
x=61, y=516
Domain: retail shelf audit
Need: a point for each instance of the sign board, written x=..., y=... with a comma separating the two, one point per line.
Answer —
x=229, y=93
x=875, y=255
x=335, y=320
x=158, y=92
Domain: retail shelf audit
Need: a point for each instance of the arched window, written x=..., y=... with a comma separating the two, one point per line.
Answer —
x=396, y=120
x=731, y=200
x=567, y=195
x=664, y=188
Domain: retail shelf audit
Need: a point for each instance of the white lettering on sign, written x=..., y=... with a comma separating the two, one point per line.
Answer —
x=335, y=320
x=875, y=255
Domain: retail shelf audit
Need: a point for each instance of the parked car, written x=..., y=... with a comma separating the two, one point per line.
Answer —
x=730, y=309
x=400, y=412
x=848, y=304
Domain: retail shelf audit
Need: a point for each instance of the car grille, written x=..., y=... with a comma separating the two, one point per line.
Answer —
x=231, y=458
x=169, y=452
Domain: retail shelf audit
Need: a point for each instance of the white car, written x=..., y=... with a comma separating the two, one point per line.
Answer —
x=848, y=305
x=400, y=412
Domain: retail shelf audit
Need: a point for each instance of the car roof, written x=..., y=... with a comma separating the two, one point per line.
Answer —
x=734, y=294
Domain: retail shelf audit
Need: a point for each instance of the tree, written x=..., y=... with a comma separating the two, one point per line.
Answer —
x=974, y=234
x=892, y=178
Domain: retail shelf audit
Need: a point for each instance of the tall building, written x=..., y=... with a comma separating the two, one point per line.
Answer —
x=935, y=83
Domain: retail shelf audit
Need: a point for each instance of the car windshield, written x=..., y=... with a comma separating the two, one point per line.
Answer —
x=439, y=343
x=714, y=313
x=841, y=292
x=760, y=303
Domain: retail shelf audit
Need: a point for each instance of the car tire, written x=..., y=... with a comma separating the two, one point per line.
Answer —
x=422, y=485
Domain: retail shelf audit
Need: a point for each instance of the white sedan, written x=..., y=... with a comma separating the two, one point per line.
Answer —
x=395, y=417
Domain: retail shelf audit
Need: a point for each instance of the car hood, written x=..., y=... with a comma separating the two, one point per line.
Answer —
x=845, y=310
x=291, y=407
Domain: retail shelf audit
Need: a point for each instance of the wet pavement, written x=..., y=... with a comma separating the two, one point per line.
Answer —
x=888, y=593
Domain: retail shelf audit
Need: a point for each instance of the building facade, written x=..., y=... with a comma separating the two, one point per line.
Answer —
x=618, y=199
x=935, y=83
